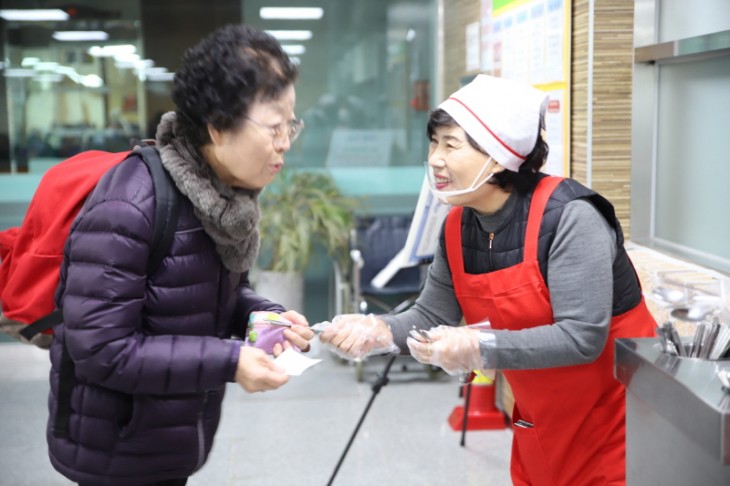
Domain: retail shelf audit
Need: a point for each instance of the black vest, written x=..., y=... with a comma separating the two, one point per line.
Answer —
x=508, y=243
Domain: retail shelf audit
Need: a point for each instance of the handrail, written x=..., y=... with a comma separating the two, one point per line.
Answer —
x=683, y=50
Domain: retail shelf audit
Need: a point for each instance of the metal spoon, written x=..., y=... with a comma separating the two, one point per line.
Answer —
x=694, y=313
x=672, y=296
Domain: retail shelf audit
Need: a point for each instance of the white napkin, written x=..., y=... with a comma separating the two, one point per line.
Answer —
x=294, y=363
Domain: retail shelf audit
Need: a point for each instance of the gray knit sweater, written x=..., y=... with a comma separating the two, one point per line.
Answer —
x=580, y=281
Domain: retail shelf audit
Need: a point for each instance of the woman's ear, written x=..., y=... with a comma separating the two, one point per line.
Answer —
x=215, y=135
x=497, y=167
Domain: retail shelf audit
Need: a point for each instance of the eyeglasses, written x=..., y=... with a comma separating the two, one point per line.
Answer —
x=290, y=129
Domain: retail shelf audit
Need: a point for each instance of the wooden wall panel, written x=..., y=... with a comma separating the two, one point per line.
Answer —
x=611, y=74
x=579, y=91
x=613, y=57
x=457, y=15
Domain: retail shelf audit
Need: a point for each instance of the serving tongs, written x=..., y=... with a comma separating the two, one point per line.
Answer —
x=277, y=322
x=671, y=343
x=465, y=377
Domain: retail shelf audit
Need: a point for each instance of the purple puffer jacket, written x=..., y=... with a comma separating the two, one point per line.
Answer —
x=152, y=354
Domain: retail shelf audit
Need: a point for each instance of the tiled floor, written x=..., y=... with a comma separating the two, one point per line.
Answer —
x=291, y=436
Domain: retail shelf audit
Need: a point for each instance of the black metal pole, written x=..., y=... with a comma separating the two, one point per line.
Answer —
x=379, y=383
x=466, y=414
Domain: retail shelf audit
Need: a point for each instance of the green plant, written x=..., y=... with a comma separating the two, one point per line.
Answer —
x=300, y=209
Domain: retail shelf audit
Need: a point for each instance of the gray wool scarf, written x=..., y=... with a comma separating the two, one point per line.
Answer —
x=229, y=215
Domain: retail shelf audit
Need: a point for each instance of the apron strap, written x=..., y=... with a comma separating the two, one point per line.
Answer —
x=540, y=196
x=453, y=242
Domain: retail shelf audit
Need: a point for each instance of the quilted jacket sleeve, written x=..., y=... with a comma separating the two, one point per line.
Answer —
x=104, y=285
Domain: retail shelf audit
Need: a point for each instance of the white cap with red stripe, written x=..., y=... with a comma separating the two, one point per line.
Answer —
x=501, y=115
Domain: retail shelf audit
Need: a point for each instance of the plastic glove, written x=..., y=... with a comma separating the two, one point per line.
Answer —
x=454, y=349
x=357, y=336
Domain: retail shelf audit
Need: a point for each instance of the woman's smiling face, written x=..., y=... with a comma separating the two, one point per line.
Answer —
x=250, y=155
x=456, y=165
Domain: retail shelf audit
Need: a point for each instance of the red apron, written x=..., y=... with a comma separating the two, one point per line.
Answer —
x=577, y=412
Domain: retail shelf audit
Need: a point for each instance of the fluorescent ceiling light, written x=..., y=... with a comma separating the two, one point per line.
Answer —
x=80, y=35
x=160, y=76
x=291, y=13
x=46, y=66
x=92, y=81
x=34, y=15
x=124, y=64
x=48, y=78
x=299, y=35
x=129, y=59
x=155, y=70
x=19, y=73
x=108, y=51
x=144, y=64
x=70, y=73
x=67, y=70
x=30, y=61
x=294, y=49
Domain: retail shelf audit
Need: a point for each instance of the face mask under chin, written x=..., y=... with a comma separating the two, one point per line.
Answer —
x=444, y=196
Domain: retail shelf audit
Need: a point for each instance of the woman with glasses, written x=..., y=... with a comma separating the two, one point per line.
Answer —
x=152, y=351
x=536, y=268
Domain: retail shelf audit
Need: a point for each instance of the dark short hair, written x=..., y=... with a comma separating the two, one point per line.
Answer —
x=524, y=180
x=223, y=75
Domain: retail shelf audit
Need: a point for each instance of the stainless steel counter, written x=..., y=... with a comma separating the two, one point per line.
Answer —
x=677, y=416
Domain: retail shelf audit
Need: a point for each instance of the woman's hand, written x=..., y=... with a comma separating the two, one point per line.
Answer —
x=454, y=349
x=357, y=336
x=298, y=335
x=256, y=372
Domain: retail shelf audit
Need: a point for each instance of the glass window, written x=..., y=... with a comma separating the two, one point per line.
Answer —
x=365, y=90
x=365, y=86
x=73, y=85
x=680, y=107
x=691, y=168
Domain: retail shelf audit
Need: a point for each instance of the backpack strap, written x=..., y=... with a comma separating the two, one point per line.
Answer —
x=167, y=209
x=65, y=389
x=45, y=322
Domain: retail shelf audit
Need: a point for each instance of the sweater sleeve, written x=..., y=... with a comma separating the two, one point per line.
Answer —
x=436, y=305
x=580, y=280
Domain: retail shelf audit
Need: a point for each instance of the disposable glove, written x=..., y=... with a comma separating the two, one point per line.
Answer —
x=454, y=349
x=357, y=336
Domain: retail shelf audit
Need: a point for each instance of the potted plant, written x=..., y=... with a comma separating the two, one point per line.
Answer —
x=300, y=210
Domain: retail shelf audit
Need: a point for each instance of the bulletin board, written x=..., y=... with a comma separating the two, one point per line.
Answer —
x=529, y=40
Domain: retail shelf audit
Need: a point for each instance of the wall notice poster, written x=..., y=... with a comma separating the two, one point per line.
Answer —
x=472, y=46
x=529, y=40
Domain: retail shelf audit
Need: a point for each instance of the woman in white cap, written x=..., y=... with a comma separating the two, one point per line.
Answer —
x=535, y=266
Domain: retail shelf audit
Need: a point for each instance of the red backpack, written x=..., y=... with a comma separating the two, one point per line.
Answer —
x=31, y=254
